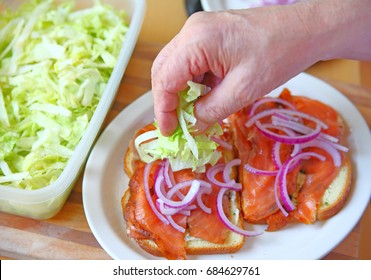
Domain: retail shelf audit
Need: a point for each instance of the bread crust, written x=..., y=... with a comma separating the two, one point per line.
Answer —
x=328, y=210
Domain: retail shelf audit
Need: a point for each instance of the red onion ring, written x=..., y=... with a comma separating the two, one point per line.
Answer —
x=211, y=173
x=225, y=219
x=276, y=154
x=289, y=112
x=228, y=169
x=282, y=184
x=285, y=117
x=327, y=147
x=287, y=139
x=276, y=197
x=301, y=128
x=339, y=147
x=257, y=171
x=168, y=174
x=147, y=169
x=271, y=99
x=200, y=202
x=166, y=210
x=187, y=200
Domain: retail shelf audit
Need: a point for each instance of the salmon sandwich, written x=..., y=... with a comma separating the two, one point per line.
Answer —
x=278, y=161
x=295, y=165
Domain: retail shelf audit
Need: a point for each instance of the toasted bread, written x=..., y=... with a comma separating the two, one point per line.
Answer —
x=193, y=245
x=337, y=193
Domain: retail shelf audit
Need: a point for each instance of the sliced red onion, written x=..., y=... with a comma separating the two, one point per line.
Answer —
x=222, y=143
x=200, y=202
x=289, y=112
x=306, y=116
x=276, y=196
x=327, y=147
x=276, y=154
x=147, y=170
x=187, y=200
x=286, y=117
x=277, y=147
x=228, y=169
x=257, y=171
x=339, y=147
x=160, y=188
x=271, y=99
x=227, y=222
x=168, y=174
x=175, y=190
x=166, y=210
x=301, y=128
x=211, y=173
x=282, y=183
x=287, y=139
x=277, y=144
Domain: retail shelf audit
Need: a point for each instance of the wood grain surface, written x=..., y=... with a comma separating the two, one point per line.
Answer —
x=68, y=236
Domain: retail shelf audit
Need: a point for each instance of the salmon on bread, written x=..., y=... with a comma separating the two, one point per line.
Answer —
x=205, y=233
x=316, y=186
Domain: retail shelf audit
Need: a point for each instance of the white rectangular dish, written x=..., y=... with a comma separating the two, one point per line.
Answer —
x=47, y=201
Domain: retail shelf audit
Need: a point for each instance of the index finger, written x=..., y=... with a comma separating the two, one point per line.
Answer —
x=170, y=76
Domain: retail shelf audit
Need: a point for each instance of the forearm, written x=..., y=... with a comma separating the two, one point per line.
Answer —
x=244, y=54
x=341, y=28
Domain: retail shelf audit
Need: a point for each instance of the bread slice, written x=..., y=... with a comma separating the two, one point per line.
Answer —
x=193, y=246
x=337, y=193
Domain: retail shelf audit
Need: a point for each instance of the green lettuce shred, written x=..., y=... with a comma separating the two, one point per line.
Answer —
x=183, y=148
x=55, y=62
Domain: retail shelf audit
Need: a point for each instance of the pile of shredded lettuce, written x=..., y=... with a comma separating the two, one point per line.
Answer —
x=55, y=62
x=183, y=148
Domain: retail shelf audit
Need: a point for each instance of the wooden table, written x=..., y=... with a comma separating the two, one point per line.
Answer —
x=68, y=236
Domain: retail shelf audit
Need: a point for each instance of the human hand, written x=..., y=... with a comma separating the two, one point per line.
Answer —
x=241, y=55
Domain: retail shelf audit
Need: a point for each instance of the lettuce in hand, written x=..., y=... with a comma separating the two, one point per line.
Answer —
x=182, y=148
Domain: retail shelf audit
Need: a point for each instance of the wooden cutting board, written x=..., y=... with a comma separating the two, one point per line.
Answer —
x=68, y=236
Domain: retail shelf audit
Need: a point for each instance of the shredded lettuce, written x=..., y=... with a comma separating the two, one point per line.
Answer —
x=182, y=148
x=55, y=62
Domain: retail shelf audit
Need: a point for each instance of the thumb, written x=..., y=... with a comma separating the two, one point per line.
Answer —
x=226, y=98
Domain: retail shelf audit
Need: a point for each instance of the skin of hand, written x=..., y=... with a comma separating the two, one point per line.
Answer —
x=244, y=54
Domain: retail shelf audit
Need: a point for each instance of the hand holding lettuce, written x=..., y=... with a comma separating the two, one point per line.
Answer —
x=182, y=148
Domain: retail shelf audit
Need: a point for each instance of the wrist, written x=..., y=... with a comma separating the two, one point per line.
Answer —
x=337, y=28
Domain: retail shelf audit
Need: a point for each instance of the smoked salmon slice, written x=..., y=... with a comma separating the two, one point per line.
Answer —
x=319, y=174
x=257, y=196
x=206, y=226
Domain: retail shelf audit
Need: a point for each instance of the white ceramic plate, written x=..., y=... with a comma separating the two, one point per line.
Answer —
x=220, y=5
x=104, y=184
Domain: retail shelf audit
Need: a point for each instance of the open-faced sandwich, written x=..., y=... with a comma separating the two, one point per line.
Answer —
x=295, y=165
x=280, y=160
